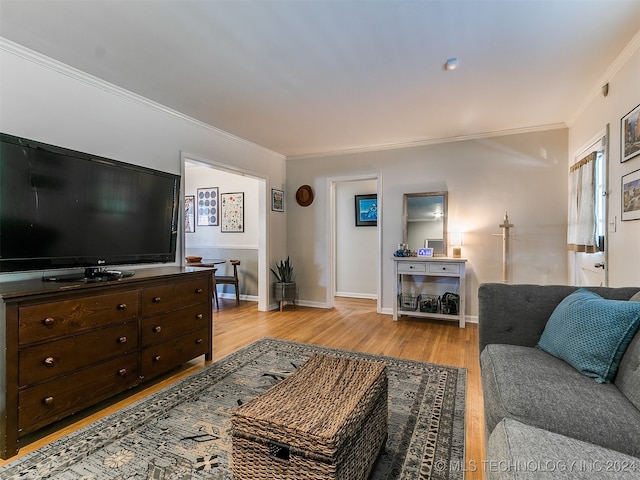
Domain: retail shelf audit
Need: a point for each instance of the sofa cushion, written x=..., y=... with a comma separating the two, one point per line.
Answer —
x=591, y=333
x=628, y=378
x=533, y=387
x=519, y=451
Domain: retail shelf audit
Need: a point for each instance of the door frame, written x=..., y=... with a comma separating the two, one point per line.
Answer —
x=331, y=235
x=263, y=205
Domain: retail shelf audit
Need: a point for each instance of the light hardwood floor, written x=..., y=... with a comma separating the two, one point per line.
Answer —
x=354, y=325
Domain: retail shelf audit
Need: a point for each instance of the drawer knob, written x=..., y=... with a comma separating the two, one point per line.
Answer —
x=122, y=340
x=49, y=321
x=49, y=361
x=156, y=299
x=198, y=341
x=47, y=400
x=198, y=290
x=122, y=372
x=122, y=306
x=199, y=316
x=157, y=329
x=157, y=358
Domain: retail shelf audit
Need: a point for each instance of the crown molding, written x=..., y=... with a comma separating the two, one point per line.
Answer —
x=435, y=141
x=69, y=71
x=613, y=69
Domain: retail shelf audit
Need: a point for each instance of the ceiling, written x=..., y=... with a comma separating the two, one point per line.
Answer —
x=306, y=77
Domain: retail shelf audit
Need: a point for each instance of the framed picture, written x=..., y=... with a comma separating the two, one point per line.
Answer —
x=277, y=200
x=425, y=252
x=366, y=210
x=630, y=135
x=189, y=214
x=631, y=196
x=232, y=212
x=208, y=206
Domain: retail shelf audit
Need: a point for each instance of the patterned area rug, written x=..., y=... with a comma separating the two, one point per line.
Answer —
x=183, y=431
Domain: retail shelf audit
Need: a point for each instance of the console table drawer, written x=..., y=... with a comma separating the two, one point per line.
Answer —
x=59, y=357
x=444, y=268
x=58, y=319
x=164, y=298
x=412, y=267
x=44, y=403
x=166, y=326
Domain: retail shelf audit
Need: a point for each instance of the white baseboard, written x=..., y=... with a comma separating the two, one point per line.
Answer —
x=368, y=296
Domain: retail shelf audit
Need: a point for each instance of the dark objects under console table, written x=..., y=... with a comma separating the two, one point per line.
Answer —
x=68, y=346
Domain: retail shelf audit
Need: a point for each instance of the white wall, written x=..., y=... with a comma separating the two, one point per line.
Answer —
x=356, y=247
x=524, y=174
x=624, y=94
x=50, y=102
x=212, y=236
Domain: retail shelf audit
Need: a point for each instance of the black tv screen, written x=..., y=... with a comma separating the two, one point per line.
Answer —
x=61, y=208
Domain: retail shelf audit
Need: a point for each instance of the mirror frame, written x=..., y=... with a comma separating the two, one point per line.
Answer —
x=445, y=207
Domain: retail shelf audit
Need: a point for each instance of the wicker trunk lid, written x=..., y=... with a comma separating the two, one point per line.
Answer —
x=326, y=420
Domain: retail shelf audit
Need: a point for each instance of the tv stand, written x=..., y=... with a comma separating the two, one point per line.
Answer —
x=91, y=275
x=65, y=349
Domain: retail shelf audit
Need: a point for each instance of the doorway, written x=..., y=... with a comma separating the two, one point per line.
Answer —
x=207, y=238
x=590, y=269
x=355, y=246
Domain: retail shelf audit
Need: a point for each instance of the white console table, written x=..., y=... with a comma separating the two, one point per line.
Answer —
x=426, y=276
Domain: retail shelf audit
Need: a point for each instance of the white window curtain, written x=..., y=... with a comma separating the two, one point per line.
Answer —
x=582, y=206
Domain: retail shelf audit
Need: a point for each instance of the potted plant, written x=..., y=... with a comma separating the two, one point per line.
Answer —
x=284, y=288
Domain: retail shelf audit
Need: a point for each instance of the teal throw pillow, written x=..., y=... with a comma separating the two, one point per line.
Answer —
x=591, y=333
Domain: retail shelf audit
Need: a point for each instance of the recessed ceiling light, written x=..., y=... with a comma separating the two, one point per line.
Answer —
x=451, y=64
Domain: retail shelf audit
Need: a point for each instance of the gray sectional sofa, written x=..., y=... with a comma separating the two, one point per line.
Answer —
x=544, y=418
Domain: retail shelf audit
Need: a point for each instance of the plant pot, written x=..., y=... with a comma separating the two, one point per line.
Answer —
x=284, y=291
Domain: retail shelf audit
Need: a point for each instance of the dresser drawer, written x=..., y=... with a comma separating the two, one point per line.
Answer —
x=166, y=326
x=68, y=317
x=50, y=401
x=163, y=357
x=412, y=267
x=165, y=298
x=453, y=268
x=58, y=357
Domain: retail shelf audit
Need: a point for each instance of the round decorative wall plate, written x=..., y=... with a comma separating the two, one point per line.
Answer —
x=304, y=196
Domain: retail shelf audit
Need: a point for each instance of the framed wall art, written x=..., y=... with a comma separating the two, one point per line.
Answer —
x=232, y=212
x=366, y=210
x=277, y=200
x=208, y=206
x=189, y=214
x=630, y=135
x=631, y=196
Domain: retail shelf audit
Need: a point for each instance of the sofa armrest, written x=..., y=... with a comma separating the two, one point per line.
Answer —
x=517, y=314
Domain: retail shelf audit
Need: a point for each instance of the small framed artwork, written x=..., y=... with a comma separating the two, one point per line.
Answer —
x=232, y=212
x=189, y=214
x=630, y=135
x=208, y=207
x=425, y=252
x=366, y=210
x=277, y=200
x=631, y=196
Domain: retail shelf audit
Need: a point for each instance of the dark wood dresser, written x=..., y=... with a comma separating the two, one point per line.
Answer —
x=66, y=346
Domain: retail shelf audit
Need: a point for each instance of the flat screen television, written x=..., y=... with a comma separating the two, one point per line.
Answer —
x=62, y=209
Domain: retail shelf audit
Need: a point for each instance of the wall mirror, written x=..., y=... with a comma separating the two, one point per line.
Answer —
x=425, y=221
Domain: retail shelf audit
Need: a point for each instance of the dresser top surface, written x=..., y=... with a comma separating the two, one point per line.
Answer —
x=37, y=286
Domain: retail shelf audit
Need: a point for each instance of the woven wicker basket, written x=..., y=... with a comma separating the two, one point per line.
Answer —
x=327, y=420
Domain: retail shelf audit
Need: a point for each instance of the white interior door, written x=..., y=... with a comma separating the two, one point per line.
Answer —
x=590, y=269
